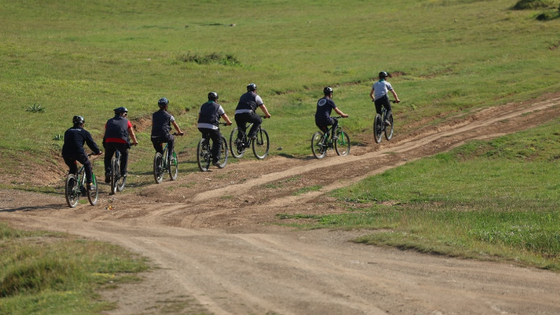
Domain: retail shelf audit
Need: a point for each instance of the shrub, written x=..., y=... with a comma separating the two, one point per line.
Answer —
x=532, y=4
x=213, y=58
x=35, y=108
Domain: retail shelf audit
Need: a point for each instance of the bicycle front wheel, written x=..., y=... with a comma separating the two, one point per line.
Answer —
x=377, y=128
x=342, y=144
x=223, y=154
x=203, y=155
x=318, y=146
x=236, y=145
x=389, y=129
x=71, y=190
x=173, y=167
x=261, y=144
x=115, y=169
x=93, y=193
x=158, y=168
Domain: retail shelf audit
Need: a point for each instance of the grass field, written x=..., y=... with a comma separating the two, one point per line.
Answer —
x=66, y=58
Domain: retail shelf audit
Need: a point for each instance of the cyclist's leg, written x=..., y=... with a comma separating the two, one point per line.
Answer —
x=170, y=139
x=157, y=143
x=387, y=106
x=110, y=148
x=71, y=163
x=123, y=148
x=87, y=167
x=241, y=121
x=334, y=123
x=257, y=121
x=378, y=105
x=216, y=144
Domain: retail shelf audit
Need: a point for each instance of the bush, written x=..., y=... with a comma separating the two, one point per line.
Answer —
x=532, y=4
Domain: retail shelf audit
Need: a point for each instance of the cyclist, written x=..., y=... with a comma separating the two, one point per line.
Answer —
x=73, y=148
x=118, y=131
x=323, y=118
x=245, y=112
x=161, y=127
x=379, y=96
x=208, y=117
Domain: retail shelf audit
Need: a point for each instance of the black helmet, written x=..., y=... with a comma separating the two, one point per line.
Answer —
x=212, y=96
x=121, y=109
x=383, y=75
x=163, y=102
x=327, y=90
x=78, y=120
x=252, y=87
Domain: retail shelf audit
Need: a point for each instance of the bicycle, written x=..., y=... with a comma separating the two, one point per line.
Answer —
x=117, y=180
x=379, y=126
x=260, y=143
x=320, y=142
x=204, y=152
x=75, y=185
x=162, y=164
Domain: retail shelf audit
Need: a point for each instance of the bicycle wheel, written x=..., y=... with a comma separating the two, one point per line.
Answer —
x=236, y=145
x=318, y=146
x=158, y=167
x=389, y=129
x=223, y=154
x=377, y=128
x=93, y=193
x=261, y=144
x=342, y=144
x=173, y=167
x=115, y=169
x=71, y=190
x=203, y=155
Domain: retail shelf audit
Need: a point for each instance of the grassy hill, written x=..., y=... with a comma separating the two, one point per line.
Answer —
x=70, y=58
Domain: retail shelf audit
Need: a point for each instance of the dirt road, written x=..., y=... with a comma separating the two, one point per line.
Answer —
x=212, y=236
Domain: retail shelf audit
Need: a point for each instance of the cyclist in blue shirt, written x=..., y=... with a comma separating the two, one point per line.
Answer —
x=379, y=96
x=161, y=128
x=73, y=148
x=208, y=118
x=325, y=106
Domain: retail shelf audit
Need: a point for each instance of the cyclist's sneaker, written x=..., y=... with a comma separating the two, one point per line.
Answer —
x=172, y=160
x=83, y=191
x=123, y=174
x=216, y=163
x=387, y=123
x=107, y=178
x=334, y=138
x=90, y=186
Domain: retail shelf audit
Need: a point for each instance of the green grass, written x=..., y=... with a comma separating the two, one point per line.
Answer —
x=75, y=58
x=55, y=273
x=493, y=199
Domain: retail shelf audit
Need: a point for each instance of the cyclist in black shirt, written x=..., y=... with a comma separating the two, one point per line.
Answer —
x=161, y=128
x=208, y=118
x=325, y=105
x=245, y=111
x=73, y=148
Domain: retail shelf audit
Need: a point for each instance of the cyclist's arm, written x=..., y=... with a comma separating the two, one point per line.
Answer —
x=395, y=95
x=338, y=111
x=371, y=94
x=265, y=110
x=177, y=128
x=132, y=135
x=226, y=118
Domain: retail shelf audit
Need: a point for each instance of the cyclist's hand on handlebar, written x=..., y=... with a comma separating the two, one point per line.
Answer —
x=134, y=143
x=180, y=133
x=267, y=116
x=100, y=152
x=344, y=116
x=228, y=124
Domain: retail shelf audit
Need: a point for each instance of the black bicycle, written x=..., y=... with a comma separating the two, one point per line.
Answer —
x=162, y=164
x=380, y=127
x=238, y=142
x=117, y=179
x=75, y=186
x=321, y=143
x=204, y=152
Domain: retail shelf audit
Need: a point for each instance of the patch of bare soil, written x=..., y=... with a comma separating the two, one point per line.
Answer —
x=214, y=237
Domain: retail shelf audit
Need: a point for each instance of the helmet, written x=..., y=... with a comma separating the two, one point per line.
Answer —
x=163, y=102
x=121, y=109
x=78, y=120
x=212, y=96
x=327, y=90
x=383, y=75
x=251, y=87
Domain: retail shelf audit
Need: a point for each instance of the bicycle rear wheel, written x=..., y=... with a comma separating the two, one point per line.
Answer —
x=377, y=128
x=203, y=155
x=236, y=145
x=389, y=129
x=93, y=193
x=261, y=144
x=71, y=190
x=318, y=146
x=173, y=167
x=342, y=144
x=223, y=154
x=158, y=167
